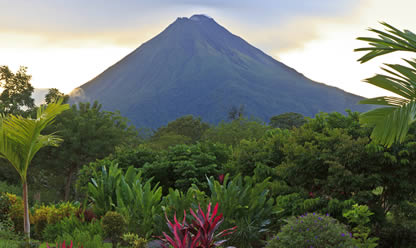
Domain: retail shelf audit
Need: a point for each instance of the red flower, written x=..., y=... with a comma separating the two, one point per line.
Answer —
x=221, y=178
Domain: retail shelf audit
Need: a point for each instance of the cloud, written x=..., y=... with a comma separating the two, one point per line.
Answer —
x=131, y=22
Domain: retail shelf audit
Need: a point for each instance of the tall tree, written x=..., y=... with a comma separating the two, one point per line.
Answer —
x=89, y=134
x=392, y=121
x=16, y=97
x=21, y=139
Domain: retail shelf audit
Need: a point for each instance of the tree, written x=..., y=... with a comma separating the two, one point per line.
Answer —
x=89, y=134
x=391, y=122
x=16, y=97
x=287, y=120
x=231, y=133
x=53, y=94
x=236, y=113
x=186, y=126
x=21, y=139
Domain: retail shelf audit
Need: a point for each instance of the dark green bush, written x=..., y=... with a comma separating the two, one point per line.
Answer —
x=312, y=230
x=68, y=226
x=114, y=226
x=5, y=205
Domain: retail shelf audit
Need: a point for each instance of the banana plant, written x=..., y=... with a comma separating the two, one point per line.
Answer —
x=246, y=204
x=102, y=188
x=139, y=202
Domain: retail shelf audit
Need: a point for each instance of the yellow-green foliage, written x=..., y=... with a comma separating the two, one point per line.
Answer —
x=133, y=241
x=51, y=214
x=16, y=212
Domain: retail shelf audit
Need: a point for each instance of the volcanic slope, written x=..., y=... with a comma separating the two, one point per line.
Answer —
x=195, y=66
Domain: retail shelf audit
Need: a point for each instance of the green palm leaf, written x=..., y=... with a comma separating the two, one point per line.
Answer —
x=22, y=138
x=390, y=41
x=391, y=123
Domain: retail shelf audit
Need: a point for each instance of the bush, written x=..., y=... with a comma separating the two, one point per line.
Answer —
x=68, y=226
x=12, y=189
x=246, y=204
x=86, y=215
x=47, y=215
x=114, y=225
x=201, y=233
x=312, y=230
x=132, y=240
x=176, y=202
x=16, y=212
x=7, y=230
x=5, y=205
x=359, y=216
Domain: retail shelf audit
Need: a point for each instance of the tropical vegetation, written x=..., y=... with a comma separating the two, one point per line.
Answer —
x=331, y=180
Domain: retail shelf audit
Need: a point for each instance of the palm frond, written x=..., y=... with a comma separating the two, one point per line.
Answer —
x=21, y=138
x=391, y=124
x=11, y=150
x=386, y=101
x=390, y=40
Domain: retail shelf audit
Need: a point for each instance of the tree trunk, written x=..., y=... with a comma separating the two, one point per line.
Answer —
x=26, y=221
x=69, y=181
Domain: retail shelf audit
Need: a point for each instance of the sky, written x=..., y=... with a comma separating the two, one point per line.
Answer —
x=64, y=43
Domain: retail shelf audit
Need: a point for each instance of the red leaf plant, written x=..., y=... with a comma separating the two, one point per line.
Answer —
x=200, y=234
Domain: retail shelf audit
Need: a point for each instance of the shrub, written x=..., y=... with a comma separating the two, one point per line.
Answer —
x=12, y=189
x=7, y=230
x=68, y=225
x=176, y=202
x=139, y=202
x=359, y=216
x=114, y=225
x=44, y=215
x=128, y=194
x=86, y=215
x=102, y=188
x=201, y=233
x=132, y=240
x=247, y=204
x=40, y=219
x=16, y=212
x=312, y=230
x=5, y=205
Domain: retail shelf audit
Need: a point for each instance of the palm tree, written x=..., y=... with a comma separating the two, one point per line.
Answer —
x=21, y=139
x=391, y=122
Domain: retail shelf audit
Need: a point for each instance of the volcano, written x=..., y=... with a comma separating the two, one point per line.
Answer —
x=196, y=66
